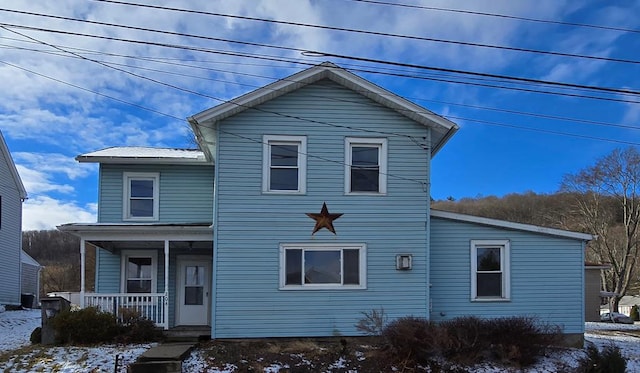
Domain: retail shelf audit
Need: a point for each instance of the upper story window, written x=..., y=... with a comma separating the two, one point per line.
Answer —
x=322, y=266
x=284, y=164
x=141, y=196
x=490, y=270
x=139, y=271
x=366, y=165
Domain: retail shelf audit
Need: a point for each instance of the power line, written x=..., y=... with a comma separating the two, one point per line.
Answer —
x=362, y=59
x=376, y=33
x=506, y=16
x=327, y=123
x=253, y=86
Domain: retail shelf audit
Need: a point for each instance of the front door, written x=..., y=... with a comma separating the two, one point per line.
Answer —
x=192, y=296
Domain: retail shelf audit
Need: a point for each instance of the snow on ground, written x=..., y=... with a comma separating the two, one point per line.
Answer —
x=19, y=356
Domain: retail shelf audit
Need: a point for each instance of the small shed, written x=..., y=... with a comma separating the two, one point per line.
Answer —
x=29, y=280
x=592, y=290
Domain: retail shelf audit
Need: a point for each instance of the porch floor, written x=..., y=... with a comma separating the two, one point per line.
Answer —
x=188, y=333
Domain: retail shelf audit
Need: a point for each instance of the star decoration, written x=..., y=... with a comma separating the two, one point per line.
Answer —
x=324, y=219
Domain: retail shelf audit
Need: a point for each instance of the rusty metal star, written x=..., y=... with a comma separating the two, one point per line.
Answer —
x=324, y=219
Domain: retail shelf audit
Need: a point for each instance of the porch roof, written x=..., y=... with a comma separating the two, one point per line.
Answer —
x=114, y=236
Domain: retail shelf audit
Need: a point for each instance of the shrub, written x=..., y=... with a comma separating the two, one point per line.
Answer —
x=36, y=336
x=139, y=330
x=373, y=322
x=517, y=340
x=412, y=339
x=466, y=339
x=520, y=340
x=85, y=326
x=609, y=360
x=635, y=315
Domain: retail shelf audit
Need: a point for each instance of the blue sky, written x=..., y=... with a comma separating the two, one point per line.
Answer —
x=66, y=94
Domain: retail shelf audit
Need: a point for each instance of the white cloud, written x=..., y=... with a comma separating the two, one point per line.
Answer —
x=43, y=212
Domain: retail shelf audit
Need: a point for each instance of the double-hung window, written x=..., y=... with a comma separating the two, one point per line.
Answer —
x=284, y=164
x=139, y=271
x=141, y=196
x=490, y=270
x=320, y=266
x=365, y=165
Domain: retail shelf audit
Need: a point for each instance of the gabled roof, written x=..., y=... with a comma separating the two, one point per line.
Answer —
x=28, y=259
x=510, y=225
x=442, y=129
x=4, y=154
x=144, y=155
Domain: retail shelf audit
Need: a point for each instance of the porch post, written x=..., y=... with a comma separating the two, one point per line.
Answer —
x=82, y=271
x=166, y=284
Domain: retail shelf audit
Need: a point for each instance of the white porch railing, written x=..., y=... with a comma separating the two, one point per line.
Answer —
x=152, y=306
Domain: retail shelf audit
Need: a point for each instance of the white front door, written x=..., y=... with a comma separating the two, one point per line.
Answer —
x=193, y=288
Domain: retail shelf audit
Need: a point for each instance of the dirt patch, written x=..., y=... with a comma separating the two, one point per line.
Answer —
x=296, y=355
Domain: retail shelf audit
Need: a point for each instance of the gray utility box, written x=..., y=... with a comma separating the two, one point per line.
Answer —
x=51, y=306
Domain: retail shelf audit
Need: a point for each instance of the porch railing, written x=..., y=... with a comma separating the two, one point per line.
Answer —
x=152, y=306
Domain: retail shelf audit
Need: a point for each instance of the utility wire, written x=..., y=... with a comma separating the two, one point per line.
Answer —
x=362, y=59
x=375, y=33
x=170, y=61
x=505, y=16
x=326, y=123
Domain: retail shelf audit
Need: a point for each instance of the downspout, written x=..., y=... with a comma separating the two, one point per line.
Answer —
x=427, y=187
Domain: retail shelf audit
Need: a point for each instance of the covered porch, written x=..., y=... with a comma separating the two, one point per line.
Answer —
x=161, y=272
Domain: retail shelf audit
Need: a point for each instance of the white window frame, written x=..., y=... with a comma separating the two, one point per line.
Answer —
x=301, y=143
x=126, y=254
x=362, y=263
x=126, y=195
x=505, y=269
x=381, y=144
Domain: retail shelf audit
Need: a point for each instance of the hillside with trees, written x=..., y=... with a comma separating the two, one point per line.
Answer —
x=59, y=253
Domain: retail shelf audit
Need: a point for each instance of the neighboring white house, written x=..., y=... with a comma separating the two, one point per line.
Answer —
x=30, y=281
x=12, y=194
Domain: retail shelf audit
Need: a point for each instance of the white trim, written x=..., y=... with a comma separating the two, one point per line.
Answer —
x=301, y=143
x=511, y=225
x=362, y=263
x=381, y=144
x=505, y=269
x=124, y=258
x=127, y=177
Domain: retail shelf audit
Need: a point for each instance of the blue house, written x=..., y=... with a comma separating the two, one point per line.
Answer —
x=307, y=204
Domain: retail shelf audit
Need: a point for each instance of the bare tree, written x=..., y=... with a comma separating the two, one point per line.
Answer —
x=608, y=206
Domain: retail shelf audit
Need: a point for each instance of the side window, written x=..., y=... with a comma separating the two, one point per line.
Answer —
x=365, y=165
x=319, y=266
x=140, y=196
x=139, y=272
x=490, y=270
x=284, y=164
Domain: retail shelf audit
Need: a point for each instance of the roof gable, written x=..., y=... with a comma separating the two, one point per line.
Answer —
x=4, y=154
x=442, y=129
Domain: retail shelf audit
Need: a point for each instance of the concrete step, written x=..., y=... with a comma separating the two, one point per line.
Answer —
x=164, y=358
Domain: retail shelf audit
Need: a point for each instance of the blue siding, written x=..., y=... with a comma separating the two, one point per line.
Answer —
x=108, y=275
x=546, y=275
x=250, y=225
x=186, y=192
x=10, y=234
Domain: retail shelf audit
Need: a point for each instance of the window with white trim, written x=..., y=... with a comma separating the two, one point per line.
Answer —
x=139, y=271
x=141, y=196
x=320, y=266
x=490, y=270
x=365, y=165
x=284, y=164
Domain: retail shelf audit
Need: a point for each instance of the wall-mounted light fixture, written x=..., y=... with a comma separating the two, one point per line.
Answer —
x=403, y=261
